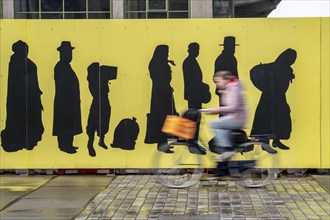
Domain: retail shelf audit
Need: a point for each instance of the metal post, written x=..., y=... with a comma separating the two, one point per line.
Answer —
x=117, y=9
x=8, y=9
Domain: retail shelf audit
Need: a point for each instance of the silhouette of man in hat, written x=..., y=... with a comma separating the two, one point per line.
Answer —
x=226, y=61
x=67, y=113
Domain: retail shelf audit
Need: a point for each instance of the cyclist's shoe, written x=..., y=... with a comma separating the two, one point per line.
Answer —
x=267, y=148
x=227, y=155
x=249, y=148
x=195, y=148
x=165, y=148
x=279, y=144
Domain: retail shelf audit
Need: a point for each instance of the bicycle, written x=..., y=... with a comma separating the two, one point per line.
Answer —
x=183, y=169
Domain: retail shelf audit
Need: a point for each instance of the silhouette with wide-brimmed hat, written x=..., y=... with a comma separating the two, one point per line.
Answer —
x=226, y=60
x=67, y=112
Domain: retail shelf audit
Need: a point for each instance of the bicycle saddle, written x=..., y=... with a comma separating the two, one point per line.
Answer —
x=239, y=136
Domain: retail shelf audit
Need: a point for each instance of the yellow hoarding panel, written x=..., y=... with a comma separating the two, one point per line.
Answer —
x=325, y=93
x=112, y=82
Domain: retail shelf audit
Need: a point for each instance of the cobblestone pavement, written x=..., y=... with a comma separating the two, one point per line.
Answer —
x=141, y=197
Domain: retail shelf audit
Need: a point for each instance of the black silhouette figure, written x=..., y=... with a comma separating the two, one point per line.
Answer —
x=100, y=110
x=126, y=134
x=227, y=60
x=272, y=116
x=195, y=91
x=24, y=126
x=162, y=100
x=67, y=113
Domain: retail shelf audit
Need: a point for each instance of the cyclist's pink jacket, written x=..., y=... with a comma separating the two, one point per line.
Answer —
x=233, y=102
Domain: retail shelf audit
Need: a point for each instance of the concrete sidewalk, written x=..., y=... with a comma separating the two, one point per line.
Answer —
x=141, y=197
x=47, y=197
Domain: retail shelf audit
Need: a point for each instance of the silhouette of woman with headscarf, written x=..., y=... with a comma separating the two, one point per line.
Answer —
x=162, y=100
x=67, y=113
x=24, y=127
x=272, y=116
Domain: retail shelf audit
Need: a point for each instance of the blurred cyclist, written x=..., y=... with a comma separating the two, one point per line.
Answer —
x=233, y=109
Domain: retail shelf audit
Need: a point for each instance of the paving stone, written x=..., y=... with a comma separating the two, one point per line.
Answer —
x=140, y=197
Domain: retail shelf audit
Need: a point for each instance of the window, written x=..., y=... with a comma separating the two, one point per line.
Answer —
x=63, y=9
x=222, y=8
x=156, y=8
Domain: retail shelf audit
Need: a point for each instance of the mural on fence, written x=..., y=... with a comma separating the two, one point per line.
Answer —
x=272, y=116
x=24, y=126
x=100, y=110
x=162, y=100
x=56, y=111
x=67, y=111
x=196, y=92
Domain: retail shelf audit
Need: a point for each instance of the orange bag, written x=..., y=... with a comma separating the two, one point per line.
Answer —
x=180, y=127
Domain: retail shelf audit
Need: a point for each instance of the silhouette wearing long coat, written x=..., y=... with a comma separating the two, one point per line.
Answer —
x=162, y=100
x=272, y=116
x=24, y=126
x=67, y=113
x=195, y=91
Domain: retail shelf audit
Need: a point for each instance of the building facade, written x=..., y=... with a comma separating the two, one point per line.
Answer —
x=134, y=9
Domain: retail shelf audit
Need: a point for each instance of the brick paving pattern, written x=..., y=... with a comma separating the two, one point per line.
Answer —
x=141, y=197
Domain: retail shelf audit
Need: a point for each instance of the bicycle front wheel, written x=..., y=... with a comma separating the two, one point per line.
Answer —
x=179, y=169
x=249, y=170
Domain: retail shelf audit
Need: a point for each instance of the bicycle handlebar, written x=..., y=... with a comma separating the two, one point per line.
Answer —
x=204, y=110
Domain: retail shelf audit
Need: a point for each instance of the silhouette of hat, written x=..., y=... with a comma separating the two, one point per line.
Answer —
x=229, y=40
x=65, y=45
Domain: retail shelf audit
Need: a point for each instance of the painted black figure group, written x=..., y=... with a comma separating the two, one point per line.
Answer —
x=24, y=128
x=272, y=118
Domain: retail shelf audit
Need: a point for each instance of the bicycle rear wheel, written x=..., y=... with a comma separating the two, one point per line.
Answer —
x=249, y=171
x=179, y=169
